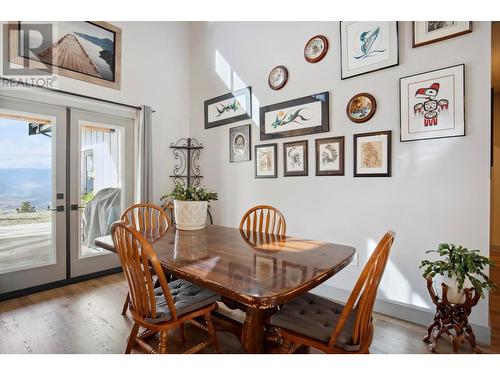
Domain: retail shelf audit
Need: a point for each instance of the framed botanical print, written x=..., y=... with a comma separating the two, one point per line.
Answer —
x=330, y=156
x=427, y=32
x=372, y=154
x=266, y=161
x=225, y=109
x=432, y=104
x=240, y=143
x=368, y=46
x=86, y=50
x=361, y=107
x=307, y=115
x=295, y=161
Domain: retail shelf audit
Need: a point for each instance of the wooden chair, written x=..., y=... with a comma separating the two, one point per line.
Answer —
x=264, y=219
x=313, y=321
x=159, y=309
x=149, y=219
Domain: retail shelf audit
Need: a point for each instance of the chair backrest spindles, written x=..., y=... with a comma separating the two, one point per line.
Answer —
x=137, y=258
x=362, y=298
x=148, y=219
x=264, y=219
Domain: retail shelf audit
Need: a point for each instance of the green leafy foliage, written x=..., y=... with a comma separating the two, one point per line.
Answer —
x=462, y=263
x=182, y=193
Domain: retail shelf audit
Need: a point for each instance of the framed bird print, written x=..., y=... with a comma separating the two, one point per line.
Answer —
x=330, y=156
x=368, y=46
x=226, y=109
x=295, y=160
x=432, y=104
x=266, y=161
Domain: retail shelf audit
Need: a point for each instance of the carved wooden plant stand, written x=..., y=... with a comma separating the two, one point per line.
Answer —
x=450, y=317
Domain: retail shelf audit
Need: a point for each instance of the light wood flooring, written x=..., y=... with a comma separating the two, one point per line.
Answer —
x=85, y=318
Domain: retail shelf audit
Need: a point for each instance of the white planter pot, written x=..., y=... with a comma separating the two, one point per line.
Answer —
x=190, y=215
x=454, y=294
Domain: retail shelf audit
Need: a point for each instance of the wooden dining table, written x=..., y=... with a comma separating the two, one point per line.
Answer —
x=254, y=270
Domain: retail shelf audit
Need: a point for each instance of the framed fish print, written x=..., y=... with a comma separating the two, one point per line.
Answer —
x=225, y=109
x=368, y=46
x=372, y=154
x=306, y=115
x=240, y=143
x=432, y=104
x=295, y=161
x=427, y=32
x=266, y=161
x=330, y=156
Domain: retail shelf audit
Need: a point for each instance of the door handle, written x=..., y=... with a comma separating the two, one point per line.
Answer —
x=75, y=207
x=58, y=209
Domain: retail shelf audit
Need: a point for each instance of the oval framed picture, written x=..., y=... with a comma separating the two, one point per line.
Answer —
x=361, y=107
x=278, y=77
x=316, y=48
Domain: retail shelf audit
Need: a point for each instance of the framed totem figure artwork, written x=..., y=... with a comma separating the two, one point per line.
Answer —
x=330, y=156
x=240, y=143
x=295, y=160
x=225, y=109
x=307, y=115
x=368, y=46
x=266, y=161
x=427, y=32
x=432, y=104
x=372, y=154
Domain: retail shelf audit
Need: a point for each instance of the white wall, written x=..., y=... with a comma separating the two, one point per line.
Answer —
x=439, y=191
x=155, y=72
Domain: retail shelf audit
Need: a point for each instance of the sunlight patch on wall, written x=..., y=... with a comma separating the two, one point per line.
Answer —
x=223, y=69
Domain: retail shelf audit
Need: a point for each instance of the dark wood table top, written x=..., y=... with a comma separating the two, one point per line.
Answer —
x=255, y=269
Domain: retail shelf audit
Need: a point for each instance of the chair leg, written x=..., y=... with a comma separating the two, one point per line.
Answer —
x=125, y=305
x=183, y=333
x=162, y=348
x=212, y=333
x=132, y=338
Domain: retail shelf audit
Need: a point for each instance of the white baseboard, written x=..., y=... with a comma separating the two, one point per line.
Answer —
x=401, y=311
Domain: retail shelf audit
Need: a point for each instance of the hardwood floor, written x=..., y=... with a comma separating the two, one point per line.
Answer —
x=85, y=318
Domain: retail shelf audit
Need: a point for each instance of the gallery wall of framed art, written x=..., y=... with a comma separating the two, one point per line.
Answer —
x=325, y=206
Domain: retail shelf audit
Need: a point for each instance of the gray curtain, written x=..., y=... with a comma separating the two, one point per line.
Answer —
x=145, y=156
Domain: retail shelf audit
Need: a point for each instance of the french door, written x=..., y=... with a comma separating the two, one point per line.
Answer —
x=65, y=176
x=101, y=185
x=32, y=194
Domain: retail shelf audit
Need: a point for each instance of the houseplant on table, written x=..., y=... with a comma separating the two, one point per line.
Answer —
x=459, y=268
x=190, y=206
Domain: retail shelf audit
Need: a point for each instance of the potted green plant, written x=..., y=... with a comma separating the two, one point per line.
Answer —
x=190, y=206
x=459, y=268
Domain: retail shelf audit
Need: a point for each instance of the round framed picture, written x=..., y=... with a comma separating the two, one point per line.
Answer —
x=316, y=48
x=278, y=77
x=361, y=107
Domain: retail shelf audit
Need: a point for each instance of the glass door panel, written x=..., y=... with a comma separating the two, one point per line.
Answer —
x=101, y=185
x=32, y=194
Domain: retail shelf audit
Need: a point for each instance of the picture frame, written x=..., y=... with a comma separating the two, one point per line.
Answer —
x=266, y=160
x=361, y=107
x=372, y=154
x=278, y=77
x=240, y=143
x=316, y=49
x=295, y=158
x=97, y=43
x=228, y=108
x=427, y=32
x=432, y=104
x=302, y=116
x=368, y=46
x=330, y=156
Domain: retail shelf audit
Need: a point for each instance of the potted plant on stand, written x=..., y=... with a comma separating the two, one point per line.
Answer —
x=190, y=206
x=460, y=273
